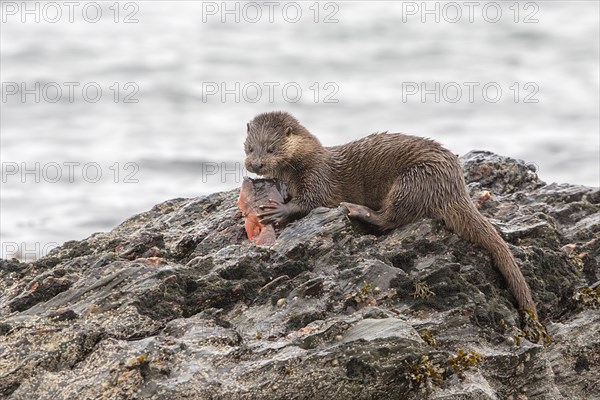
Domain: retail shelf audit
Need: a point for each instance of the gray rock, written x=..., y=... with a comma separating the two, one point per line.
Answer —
x=175, y=303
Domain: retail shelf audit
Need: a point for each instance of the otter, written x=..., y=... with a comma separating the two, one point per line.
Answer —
x=386, y=180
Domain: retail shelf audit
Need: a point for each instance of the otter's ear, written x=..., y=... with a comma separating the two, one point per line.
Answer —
x=248, y=127
x=288, y=131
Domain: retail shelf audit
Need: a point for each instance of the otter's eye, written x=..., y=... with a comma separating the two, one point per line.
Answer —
x=250, y=150
x=270, y=150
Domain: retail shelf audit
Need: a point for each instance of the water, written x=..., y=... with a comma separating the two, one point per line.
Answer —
x=169, y=142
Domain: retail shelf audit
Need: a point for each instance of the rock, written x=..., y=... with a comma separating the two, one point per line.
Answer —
x=175, y=303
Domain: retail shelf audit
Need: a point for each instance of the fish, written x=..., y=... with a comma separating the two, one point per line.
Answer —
x=253, y=194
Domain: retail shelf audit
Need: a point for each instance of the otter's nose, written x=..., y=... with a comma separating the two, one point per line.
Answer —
x=256, y=166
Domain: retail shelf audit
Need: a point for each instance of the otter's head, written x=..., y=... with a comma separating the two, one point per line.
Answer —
x=268, y=142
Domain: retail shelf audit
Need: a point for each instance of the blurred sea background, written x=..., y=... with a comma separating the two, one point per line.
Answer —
x=344, y=69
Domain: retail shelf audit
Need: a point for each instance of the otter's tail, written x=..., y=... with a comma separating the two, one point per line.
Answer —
x=466, y=221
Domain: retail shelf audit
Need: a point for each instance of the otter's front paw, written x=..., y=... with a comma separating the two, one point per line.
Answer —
x=275, y=213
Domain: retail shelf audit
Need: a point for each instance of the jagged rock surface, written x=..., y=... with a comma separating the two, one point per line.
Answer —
x=175, y=303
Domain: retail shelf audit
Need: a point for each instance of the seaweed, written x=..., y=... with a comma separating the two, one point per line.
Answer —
x=463, y=361
x=422, y=370
x=422, y=290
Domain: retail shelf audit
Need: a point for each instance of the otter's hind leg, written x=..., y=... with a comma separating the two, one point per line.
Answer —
x=408, y=200
x=364, y=214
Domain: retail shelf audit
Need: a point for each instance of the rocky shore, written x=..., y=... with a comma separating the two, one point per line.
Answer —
x=175, y=303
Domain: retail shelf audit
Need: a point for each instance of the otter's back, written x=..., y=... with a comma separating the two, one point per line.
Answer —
x=365, y=169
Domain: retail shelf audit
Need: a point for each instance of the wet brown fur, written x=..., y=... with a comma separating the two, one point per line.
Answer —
x=386, y=179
